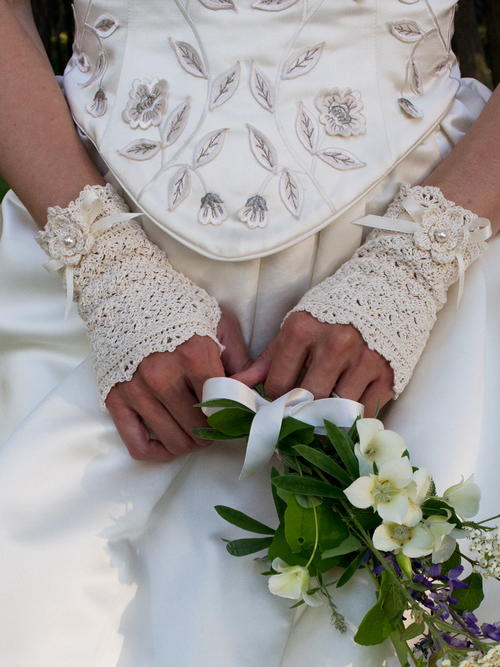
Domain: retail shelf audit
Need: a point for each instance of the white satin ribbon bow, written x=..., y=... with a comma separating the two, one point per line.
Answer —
x=479, y=230
x=91, y=208
x=264, y=431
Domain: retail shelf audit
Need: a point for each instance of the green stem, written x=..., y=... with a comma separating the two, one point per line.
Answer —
x=491, y=518
x=316, y=541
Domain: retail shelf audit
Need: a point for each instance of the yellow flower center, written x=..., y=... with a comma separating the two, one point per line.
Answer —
x=401, y=534
x=384, y=491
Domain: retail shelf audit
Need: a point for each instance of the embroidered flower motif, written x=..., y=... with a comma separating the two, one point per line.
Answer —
x=341, y=111
x=212, y=209
x=146, y=104
x=443, y=234
x=65, y=240
x=254, y=213
x=99, y=104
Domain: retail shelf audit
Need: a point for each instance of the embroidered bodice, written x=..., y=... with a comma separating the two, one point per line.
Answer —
x=243, y=126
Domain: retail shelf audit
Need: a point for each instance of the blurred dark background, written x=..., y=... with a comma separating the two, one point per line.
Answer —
x=476, y=41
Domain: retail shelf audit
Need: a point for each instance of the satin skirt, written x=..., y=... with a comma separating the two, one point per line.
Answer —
x=111, y=562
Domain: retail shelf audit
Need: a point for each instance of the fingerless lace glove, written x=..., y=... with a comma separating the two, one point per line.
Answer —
x=129, y=296
x=393, y=287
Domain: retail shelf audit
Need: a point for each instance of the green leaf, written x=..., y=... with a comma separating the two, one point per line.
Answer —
x=280, y=549
x=307, y=486
x=349, y=545
x=223, y=403
x=232, y=421
x=471, y=597
x=350, y=571
x=211, y=434
x=392, y=598
x=308, y=501
x=332, y=530
x=291, y=425
x=279, y=503
x=300, y=530
x=439, y=507
x=343, y=447
x=243, y=521
x=247, y=546
x=402, y=650
x=453, y=561
x=412, y=631
x=324, y=463
x=374, y=627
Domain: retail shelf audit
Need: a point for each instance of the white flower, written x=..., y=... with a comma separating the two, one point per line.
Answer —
x=66, y=240
x=443, y=233
x=212, y=209
x=414, y=541
x=386, y=492
x=417, y=493
x=292, y=583
x=464, y=497
x=254, y=213
x=341, y=111
x=443, y=543
x=146, y=104
x=376, y=444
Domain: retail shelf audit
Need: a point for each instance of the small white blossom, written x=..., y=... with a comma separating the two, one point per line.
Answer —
x=254, y=213
x=443, y=542
x=146, y=103
x=212, y=210
x=491, y=659
x=485, y=546
x=292, y=583
x=341, y=111
x=376, y=444
x=464, y=497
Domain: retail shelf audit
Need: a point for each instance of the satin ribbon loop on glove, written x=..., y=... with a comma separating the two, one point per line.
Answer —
x=91, y=208
x=477, y=230
x=266, y=425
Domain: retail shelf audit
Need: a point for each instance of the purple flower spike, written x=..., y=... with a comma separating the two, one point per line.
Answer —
x=454, y=573
x=419, y=578
x=471, y=622
x=492, y=630
x=434, y=571
x=377, y=570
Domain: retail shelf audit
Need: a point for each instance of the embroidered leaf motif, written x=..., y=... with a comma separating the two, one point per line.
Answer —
x=176, y=122
x=100, y=68
x=140, y=149
x=189, y=58
x=340, y=158
x=409, y=108
x=291, y=192
x=218, y=4
x=209, y=147
x=408, y=2
x=406, y=31
x=307, y=128
x=414, y=77
x=262, y=89
x=273, y=5
x=105, y=25
x=262, y=148
x=302, y=62
x=179, y=187
x=224, y=86
x=83, y=62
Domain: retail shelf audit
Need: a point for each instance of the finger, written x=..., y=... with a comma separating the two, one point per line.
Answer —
x=354, y=381
x=377, y=395
x=180, y=404
x=258, y=370
x=156, y=417
x=133, y=433
x=289, y=356
x=236, y=355
x=323, y=371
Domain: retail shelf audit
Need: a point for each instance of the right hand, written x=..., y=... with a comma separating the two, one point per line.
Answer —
x=154, y=412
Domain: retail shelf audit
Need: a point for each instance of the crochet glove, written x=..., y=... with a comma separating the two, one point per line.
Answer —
x=129, y=296
x=393, y=287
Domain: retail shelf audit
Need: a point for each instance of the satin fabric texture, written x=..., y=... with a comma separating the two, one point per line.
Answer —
x=111, y=562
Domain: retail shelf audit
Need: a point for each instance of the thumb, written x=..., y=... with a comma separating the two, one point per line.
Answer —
x=257, y=372
x=236, y=355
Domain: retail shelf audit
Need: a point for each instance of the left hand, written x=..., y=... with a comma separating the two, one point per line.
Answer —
x=322, y=358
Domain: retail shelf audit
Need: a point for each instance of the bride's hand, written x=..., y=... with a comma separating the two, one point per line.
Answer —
x=331, y=357
x=154, y=413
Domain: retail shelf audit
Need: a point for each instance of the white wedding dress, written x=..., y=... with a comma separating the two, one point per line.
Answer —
x=110, y=562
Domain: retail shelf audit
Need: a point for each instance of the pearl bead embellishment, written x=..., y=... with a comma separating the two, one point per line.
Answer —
x=441, y=236
x=69, y=242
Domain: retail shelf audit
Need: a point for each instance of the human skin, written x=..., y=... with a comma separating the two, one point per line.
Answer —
x=44, y=161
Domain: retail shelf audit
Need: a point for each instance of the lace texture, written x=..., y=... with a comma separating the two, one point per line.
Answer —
x=132, y=300
x=394, y=285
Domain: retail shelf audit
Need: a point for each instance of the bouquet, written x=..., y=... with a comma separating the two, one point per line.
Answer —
x=349, y=498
